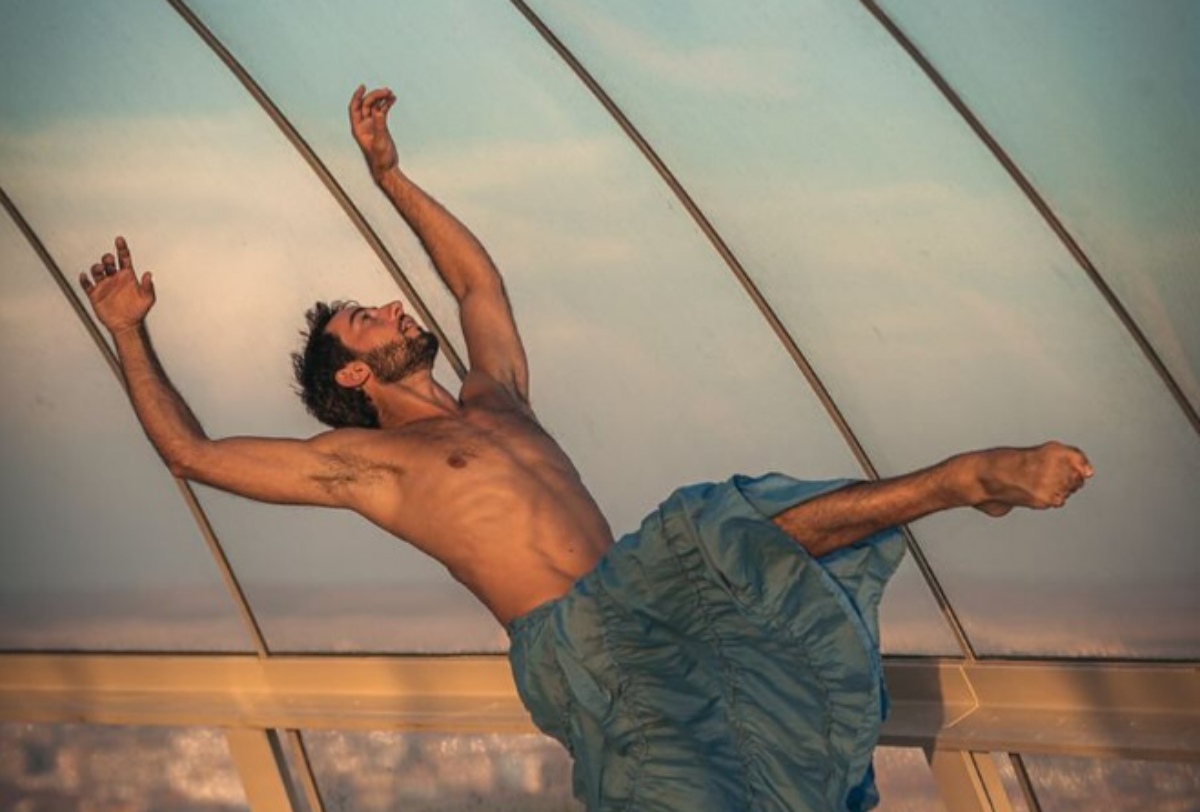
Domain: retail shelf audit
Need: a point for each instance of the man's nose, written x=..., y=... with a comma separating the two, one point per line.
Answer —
x=394, y=309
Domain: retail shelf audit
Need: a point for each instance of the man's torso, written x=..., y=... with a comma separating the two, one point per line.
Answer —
x=488, y=493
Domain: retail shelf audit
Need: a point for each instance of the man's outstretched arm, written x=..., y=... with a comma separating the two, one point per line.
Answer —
x=493, y=344
x=290, y=471
x=993, y=481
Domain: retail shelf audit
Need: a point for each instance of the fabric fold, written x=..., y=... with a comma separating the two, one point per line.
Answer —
x=709, y=663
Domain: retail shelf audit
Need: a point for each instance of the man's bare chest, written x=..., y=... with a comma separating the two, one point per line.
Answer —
x=472, y=443
x=448, y=485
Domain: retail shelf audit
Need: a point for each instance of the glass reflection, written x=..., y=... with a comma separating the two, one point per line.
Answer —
x=100, y=551
x=117, y=769
x=931, y=298
x=1067, y=783
x=910, y=621
x=905, y=781
x=1095, y=102
x=380, y=771
x=1012, y=785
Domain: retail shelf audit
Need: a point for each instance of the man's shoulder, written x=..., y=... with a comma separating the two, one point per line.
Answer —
x=480, y=390
x=344, y=438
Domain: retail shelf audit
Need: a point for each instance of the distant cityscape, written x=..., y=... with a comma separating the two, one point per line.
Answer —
x=92, y=768
x=56, y=768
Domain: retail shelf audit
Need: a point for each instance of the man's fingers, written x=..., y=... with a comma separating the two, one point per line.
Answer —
x=370, y=106
x=376, y=99
x=1081, y=462
x=123, y=256
x=108, y=265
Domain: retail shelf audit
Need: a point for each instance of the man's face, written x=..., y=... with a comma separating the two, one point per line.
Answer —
x=386, y=339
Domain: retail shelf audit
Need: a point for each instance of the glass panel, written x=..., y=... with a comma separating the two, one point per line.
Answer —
x=939, y=309
x=648, y=362
x=117, y=769
x=1063, y=783
x=242, y=239
x=1095, y=102
x=383, y=771
x=100, y=551
x=905, y=781
x=910, y=621
x=1012, y=786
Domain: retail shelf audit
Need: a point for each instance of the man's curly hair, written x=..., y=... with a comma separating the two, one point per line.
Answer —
x=323, y=355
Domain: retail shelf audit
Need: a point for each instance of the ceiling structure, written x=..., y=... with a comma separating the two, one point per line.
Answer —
x=830, y=238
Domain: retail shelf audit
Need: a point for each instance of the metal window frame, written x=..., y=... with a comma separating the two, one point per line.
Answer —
x=958, y=711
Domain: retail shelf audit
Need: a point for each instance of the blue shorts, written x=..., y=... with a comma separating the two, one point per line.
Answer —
x=709, y=663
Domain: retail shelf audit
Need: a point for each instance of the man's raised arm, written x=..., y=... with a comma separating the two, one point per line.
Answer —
x=493, y=344
x=290, y=471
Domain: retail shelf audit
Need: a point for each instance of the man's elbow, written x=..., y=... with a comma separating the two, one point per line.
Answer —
x=185, y=461
x=180, y=470
x=179, y=466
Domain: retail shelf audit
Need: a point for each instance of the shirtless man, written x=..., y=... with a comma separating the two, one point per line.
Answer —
x=474, y=480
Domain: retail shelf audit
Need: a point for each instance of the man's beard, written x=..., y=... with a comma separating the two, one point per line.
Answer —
x=398, y=359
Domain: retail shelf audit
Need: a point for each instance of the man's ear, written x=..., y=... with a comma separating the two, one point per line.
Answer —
x=353, y=375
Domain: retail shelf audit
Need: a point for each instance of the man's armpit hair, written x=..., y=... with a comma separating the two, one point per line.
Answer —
x=341, y=469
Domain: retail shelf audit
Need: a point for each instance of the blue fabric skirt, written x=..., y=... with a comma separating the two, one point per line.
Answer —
x=709, y=663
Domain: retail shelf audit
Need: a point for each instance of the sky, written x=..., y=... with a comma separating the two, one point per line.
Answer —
x=934, y=303
x=931, y=299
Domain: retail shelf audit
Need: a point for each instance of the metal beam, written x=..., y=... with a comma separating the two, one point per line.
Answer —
x=305, y=775
x=1032, y=802
x=400, y=693
x=1128, y=710
x=968, y=782
x=989, y=776
x=259, y=761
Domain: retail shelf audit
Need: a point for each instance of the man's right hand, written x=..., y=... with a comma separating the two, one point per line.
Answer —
x=120, y=300
x=368, y=122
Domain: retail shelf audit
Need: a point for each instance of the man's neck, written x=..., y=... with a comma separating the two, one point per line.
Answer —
x=418, y=397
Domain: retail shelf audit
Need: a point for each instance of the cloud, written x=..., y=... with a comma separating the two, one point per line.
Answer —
x=759, y=73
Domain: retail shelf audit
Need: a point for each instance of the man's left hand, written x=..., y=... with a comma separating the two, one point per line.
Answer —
x=368, y=122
